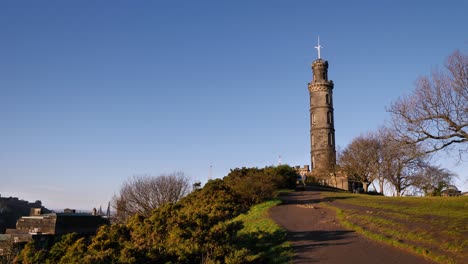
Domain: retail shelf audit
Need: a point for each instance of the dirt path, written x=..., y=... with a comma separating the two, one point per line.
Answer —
x=317, y=237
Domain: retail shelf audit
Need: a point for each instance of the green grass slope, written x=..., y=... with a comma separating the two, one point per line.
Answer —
x=263, y=237
x=435, y=227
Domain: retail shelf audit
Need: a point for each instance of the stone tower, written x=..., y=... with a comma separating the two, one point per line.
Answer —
x=322, y=129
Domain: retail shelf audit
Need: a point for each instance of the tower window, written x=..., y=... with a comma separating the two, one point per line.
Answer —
x=313, y=140
x=329, y=117
x=327, y=98
x=330, y=139
x=313, y=119
x=313, y=162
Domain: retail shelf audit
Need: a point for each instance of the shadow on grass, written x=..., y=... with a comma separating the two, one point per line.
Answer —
x=271, y=247
x=268, y=247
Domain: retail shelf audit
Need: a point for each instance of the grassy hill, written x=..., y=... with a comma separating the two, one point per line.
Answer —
x=436, y=227
x=263, y=236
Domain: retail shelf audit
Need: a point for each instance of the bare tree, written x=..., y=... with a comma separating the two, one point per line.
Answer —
x=141, y=194
x=400, y=162
x=436, y=113
x=433, y=180
x=380, y=157
x=359, y=159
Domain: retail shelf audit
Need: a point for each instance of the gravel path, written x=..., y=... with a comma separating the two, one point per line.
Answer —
x=317, y=237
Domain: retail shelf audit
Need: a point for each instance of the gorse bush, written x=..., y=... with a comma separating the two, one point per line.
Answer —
x=196, y=229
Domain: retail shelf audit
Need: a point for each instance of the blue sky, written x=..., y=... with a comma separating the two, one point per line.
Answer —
x=94, y=92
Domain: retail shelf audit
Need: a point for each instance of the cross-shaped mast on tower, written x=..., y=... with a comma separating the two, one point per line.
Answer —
x=318, y=47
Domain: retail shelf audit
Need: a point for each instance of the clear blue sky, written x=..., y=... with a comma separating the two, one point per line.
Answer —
x=93, y=92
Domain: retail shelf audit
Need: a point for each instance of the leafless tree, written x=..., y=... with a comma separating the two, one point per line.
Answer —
x=141, y=194
x=400, y=162
x=433, y=180
x=380, y=157
x=435, y=115
x=359, y=159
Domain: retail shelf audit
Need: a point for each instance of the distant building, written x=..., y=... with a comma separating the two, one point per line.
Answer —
x=302, y=171
x=451, y=191
x=58, y=223
x=45, y=227
x=12, y=208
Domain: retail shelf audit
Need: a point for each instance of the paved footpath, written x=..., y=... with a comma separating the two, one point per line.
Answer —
x=317, y=237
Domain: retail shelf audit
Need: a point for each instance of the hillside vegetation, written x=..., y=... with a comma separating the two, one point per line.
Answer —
x=435, y=227
x=200, y=228
x=262, y=235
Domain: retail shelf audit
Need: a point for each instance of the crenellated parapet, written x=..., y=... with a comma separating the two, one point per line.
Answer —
x=320, y=71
